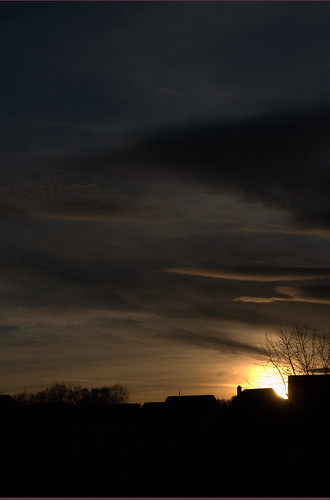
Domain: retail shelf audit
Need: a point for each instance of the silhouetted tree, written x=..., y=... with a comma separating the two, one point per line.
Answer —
x=107, y=395
x=297, y=350
x=62, y=393
x=22, y=397
x=225, y=403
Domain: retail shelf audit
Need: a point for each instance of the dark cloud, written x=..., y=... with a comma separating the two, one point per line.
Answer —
x=278, y=159
x=214, y=341
x=52, y=194
x=127, y=66
x=140, y=137
x=8, y=331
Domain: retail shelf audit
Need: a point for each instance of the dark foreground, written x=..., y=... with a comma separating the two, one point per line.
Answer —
x=124, y=450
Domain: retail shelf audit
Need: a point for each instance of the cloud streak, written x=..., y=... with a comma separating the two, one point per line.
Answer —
x=255, y=273
x=214, y=341
x=291, y=294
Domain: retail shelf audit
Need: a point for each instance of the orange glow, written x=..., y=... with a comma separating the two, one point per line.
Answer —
x=270, y=378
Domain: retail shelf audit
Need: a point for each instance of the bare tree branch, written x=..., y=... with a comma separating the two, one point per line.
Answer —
x=296, y=350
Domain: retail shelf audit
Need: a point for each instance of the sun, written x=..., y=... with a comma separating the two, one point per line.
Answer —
x=268, y=379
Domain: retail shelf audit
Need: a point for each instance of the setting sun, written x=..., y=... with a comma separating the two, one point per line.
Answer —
x=262, y=379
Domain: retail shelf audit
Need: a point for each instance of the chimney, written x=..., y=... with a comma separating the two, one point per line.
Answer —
x=239, y=390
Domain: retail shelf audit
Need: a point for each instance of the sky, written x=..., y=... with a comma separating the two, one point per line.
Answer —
x=164, y=190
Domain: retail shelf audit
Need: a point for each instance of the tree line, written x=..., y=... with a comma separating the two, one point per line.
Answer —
x=62, y=393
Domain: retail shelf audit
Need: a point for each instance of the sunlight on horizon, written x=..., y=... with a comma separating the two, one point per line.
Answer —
x=261, y=379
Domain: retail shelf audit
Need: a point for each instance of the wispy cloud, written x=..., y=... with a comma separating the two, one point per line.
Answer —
x=217, y=341
x=255, y=273
x=57, y=197
x=291, y=294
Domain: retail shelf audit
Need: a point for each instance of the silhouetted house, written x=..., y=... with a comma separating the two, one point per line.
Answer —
x=45, y=428
x=204, y=403
x=196, y=414
x=259, y=395
x=204, y=408
x=177, y=421
x=309, y=389
x=258, y=399
x=10, y=413
x=154, y=426
x=10, y=410
x=109, y=430
x=152, y=408
x=8, y=403
x=153, y=416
